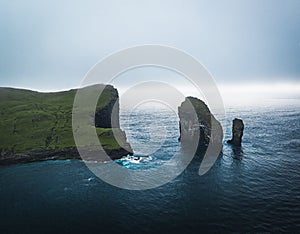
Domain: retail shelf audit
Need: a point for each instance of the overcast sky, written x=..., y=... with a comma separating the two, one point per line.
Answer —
x=50, y=45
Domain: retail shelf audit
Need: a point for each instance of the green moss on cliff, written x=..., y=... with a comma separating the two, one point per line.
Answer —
x=32, y=121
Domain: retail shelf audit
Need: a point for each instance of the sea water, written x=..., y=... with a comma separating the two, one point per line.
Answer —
x=252, y=189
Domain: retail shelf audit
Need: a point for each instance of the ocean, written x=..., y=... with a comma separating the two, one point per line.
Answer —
x=253, y=189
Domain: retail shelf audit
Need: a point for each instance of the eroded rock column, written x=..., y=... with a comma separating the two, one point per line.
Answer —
x=196, y=125
x=237, y=132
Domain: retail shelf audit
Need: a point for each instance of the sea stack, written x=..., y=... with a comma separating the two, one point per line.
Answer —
x=198, y=127
x=237, y=132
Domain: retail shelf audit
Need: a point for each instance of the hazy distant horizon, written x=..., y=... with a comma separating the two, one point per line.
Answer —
x=232, y=94
x=251, y=48
x=51, y=45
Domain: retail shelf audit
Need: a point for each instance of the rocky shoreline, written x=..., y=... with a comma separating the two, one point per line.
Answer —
x=56, y=154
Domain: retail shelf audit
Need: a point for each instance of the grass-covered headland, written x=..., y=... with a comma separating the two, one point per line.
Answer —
x=37, y=126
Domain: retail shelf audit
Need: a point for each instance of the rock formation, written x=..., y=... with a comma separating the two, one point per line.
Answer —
x=108, y=116
x=196, y=124
x=38, y=126
x=237, y=132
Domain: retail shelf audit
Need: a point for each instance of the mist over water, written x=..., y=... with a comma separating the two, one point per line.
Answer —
x=254, y=188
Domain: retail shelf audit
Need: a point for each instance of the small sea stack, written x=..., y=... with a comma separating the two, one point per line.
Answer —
x=237, y=132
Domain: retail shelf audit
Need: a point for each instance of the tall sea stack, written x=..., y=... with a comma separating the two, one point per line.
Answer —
x=237, y=132
x=196, y=125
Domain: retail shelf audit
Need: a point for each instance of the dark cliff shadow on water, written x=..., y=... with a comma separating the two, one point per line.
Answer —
x=198, y=156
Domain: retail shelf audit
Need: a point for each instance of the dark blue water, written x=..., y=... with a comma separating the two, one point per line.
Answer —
x=252, y=189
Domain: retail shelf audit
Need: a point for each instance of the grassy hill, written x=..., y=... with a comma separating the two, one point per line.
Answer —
x=35, y=122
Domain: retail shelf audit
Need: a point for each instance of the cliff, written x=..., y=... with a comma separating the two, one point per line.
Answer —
x=103, y=116
x=196, y=124
x=37, y=126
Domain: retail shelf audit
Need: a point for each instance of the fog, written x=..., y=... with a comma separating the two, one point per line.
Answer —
x=161, y=87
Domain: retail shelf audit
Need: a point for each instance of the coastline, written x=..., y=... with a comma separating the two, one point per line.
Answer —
x=38, y=126
x=55, y=154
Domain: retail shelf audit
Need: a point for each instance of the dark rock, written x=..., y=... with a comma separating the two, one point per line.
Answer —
x=108, y=116
x=196, y=124
x=237, y=132
x=42, y=155
x=60, y=154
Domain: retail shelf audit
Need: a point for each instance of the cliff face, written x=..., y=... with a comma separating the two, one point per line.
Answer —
x=195, y=123
x=108, y=116
x=38, y=126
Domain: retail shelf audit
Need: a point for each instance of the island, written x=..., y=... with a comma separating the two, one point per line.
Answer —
x=37, y=126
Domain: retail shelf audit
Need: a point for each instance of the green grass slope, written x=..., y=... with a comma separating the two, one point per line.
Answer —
x=33, y=121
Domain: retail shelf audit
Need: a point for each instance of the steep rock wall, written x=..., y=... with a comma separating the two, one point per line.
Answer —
x=196, y=123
